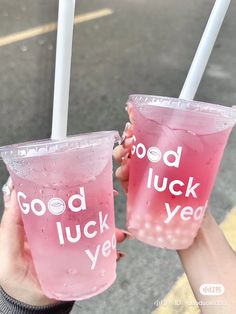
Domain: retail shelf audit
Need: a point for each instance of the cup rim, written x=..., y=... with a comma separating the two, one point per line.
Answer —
x=196, y=106
x=48, y=146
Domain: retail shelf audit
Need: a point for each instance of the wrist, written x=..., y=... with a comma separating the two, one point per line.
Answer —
x=31, y=297
x=8, y=304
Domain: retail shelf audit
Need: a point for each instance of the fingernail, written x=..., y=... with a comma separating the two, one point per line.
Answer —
x=116, y=193
x=127, y=126
x=10, y=183
x=120, y=255
x=128, y=142
x=128, y=235
x=7, y=189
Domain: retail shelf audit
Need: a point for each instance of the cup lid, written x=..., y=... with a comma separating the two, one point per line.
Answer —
x=46, y=146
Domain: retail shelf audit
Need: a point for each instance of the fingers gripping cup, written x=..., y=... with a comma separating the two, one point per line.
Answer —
x=65, y=193
x=177, y=149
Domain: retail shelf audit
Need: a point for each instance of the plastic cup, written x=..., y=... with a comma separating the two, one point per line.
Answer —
x=65, y=193
x=176, y=153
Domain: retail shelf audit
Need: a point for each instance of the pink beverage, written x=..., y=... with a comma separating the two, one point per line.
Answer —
x=65, y=193
x=176, y=153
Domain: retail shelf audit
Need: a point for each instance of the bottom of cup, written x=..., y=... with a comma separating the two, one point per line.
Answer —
x=162, y=241
x=79, y=297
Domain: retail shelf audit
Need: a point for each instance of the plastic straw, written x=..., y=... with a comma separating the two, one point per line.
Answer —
x=204, y=49
x=62, y=69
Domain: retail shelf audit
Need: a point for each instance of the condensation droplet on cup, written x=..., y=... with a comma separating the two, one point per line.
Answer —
x=177, y=231
x=72, y=271
x=94, y=289
x=158, y=228
x=147, y=225
x=102, y=273
x=141, y=232
x=160, y=239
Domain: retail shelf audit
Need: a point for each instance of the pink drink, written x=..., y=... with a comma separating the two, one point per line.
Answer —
x=65, y=193
x=177, y=149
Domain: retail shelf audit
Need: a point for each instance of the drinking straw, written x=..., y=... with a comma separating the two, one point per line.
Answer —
x=204, y=49
x=65, y=27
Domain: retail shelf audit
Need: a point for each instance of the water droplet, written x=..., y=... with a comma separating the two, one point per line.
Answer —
x=147, y=225
x=160, y=239
x=23, y=9
x=141, y=232
x=158, y=228
x=72, y=271
x=177, y=231
x=23, y=48
x=94, y=289
x=102, y=273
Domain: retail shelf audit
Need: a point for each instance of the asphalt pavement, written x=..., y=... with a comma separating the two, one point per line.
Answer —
x=145, y=47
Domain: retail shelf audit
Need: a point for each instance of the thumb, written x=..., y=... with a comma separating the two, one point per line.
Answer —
x=11, y=230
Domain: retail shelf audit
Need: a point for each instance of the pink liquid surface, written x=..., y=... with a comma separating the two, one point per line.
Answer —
x=64, y=269
x=146, y=210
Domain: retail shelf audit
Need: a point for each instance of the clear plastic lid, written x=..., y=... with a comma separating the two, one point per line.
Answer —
x=48, y=146
x=177, y=113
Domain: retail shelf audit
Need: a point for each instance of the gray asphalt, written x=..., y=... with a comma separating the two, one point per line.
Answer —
x=146, y=46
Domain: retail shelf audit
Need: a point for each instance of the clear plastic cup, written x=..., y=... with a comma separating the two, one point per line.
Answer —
x=176, y=153
x=65, y=194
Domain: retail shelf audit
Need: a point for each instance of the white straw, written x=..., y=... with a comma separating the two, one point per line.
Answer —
x=204, y=49
x=62, y=69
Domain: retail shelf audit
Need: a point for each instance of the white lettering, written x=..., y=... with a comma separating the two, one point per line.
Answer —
x=24, y=206
x=94, y=257
x=81, y=198
x=102, y=222
x=86, y=232
x=173, y=184
x=170, y=213
x=177, y=156
x=42, y=210
x=190, y=188
x=77, y=236
x=186, y=212
x=106, y=248
x=60, y=233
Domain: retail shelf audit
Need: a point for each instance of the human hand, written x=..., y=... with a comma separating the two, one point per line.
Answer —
x=122, y=152
x=18, y=277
